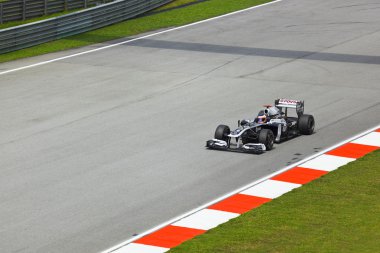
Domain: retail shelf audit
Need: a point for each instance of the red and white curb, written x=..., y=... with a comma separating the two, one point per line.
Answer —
x=177, y=231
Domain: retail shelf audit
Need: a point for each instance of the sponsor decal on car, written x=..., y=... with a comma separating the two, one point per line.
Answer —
x=288, y=101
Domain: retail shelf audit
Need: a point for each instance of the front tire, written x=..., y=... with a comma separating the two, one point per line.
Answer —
x=222, y=132
x=266, y=137
x=306, y=124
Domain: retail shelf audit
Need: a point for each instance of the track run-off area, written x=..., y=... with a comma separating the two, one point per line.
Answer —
x=99, y=147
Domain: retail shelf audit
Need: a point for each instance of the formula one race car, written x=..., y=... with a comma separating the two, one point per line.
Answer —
x=273, y=124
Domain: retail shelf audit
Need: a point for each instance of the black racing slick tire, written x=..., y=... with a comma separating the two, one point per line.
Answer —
x=266, y=137
x=306, y=124
x=221, y=132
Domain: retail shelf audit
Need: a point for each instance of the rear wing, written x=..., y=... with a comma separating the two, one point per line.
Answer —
x=290, y=103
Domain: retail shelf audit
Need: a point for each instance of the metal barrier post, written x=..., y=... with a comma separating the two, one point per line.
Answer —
x=23, y=9
x=1, y=13
x=85, y=3
x=65, y=5
x=45, y=7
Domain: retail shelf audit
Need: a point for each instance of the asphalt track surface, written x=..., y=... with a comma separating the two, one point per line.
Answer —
x=99, y=147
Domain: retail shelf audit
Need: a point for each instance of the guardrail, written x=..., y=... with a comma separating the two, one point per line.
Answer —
x=28, y=35
x=12, y=10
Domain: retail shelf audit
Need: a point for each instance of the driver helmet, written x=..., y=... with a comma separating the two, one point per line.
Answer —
x=262, y=118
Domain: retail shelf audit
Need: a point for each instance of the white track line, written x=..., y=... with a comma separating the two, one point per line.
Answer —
x=237, y=191
x=132, y=40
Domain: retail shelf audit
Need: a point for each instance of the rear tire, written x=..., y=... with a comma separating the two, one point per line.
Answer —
x=221, y=132
x=266, y=137
x=306, y=124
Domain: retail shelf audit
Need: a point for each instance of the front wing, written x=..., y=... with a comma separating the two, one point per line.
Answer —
x=252, y=148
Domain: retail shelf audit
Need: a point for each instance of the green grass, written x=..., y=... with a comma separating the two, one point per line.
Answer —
x=339, y=212
x=176, y=3
x=172, y=18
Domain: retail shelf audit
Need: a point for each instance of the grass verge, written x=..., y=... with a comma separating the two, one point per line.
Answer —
x=339, y=212
x=176, y=3
x=171, y=18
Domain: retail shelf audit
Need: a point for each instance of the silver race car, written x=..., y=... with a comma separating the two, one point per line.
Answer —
x=273, y=124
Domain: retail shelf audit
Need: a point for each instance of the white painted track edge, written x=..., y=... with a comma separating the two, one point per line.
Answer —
x=122, y=244
x=132, y=40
